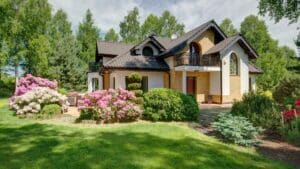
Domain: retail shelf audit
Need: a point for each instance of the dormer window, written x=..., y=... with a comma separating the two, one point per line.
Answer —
x=148, y=51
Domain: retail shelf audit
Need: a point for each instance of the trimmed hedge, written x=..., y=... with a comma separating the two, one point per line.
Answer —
x=167, y=105
x=49, y=111
x=260, y=109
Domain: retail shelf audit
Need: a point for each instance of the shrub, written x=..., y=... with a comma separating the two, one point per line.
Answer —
x=29, y=82
x=287, y=90
x=34, y=100
x=167, y=104
x=110, y=105
x=236, y=129
x=259, y=109
x=49, y=111
x=7, y=86
x=62, y=91
x=291, y=131
x=134, y=85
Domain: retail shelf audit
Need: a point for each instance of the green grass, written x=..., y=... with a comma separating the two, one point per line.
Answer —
x=38, y=144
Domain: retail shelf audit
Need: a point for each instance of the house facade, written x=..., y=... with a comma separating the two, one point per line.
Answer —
x=203, y=62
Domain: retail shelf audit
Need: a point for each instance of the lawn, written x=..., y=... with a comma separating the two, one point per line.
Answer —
x=38, y=144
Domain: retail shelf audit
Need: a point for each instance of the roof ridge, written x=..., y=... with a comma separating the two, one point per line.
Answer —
x=119, y=42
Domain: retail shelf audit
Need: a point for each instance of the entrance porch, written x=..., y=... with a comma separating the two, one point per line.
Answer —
x=204, y=82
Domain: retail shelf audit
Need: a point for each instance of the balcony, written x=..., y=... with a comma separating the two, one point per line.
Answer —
x=94, y=67
x=197, y=60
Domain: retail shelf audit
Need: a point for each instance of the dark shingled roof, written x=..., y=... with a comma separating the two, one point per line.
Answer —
x=130, y=61
x=254, y=70
x=228, y=42
x=112, y=48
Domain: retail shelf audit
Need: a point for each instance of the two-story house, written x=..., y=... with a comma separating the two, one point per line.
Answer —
x=203, y=62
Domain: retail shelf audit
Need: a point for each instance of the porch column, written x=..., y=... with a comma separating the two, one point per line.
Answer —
x=90, y=84
x=184, y=82
x=106, y=80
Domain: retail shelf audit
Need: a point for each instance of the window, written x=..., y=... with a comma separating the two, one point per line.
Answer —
x=147, y=51
x=194, y=58
x=95, y=84
x=234, y=67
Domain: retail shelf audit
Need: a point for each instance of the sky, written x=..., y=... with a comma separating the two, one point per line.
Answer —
x=109, y=13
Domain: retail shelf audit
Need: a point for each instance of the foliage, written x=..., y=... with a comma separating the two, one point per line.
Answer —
x=130, y=26
x=271, y=58
x=167, y=104
x=111, y=36
x=287, y=90
x=236, y=129
x=62, y=91
x=165, y=25
x=228, y=27
x=111, y=105
x=49, y=111
x=34, y=100
x=7, y=86
x=87, y=35
x=135, y=85
x=259, y=109
x=278, y=10
x=291, y=131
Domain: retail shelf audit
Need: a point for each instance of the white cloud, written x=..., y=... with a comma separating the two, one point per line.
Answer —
x=109, y=13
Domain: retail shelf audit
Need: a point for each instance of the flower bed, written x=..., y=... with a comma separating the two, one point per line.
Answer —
x=109, y=106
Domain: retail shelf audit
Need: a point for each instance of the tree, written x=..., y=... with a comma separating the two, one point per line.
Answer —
x=130, y=27
x=69, y=71
x=111, y=36
x=39, y=51
x=228, y=27
x=169, y=25
x=20, y=27
x=87, y=36
x=297, y=42
x=271, y=59
x=150, y=25
x=278, y=10
x=60, y=26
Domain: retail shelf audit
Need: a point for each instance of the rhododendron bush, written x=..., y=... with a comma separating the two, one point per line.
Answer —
x=29, y=82
x=111, y=105
x=33, y=100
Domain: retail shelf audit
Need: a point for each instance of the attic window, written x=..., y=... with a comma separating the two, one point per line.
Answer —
x=147, y=51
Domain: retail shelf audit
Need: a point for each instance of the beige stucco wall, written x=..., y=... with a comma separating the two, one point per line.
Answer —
x=235, y=87
x=155, y=78
x=206, y=40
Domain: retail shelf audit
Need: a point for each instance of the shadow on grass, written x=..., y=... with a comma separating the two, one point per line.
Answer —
x=45, y=146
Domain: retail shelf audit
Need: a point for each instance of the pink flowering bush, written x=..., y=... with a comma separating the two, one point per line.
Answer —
x=111, y=105
x=29, y=82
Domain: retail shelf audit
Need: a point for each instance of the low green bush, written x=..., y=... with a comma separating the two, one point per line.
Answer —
x=167, y=105
x=62, y=91
x=291, y=131
x=287, y=90
x=260, y=109
x=236, y=129
x=49, y=111
x=88, y=114
x=135, y=84
x=7, y=86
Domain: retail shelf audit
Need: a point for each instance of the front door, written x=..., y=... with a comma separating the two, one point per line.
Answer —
x=191, y=85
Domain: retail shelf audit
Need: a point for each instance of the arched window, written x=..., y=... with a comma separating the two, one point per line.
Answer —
x=194, y=58
x=234, y=64
x=147, y=51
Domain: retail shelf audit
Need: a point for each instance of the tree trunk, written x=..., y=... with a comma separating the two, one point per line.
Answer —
x=16, y=73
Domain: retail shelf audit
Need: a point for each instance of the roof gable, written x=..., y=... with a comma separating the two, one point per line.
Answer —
x=228, y=42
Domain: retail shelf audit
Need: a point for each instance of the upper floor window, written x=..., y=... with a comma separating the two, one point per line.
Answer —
x=194, y=58
x=234, y=66
x=148, y=51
